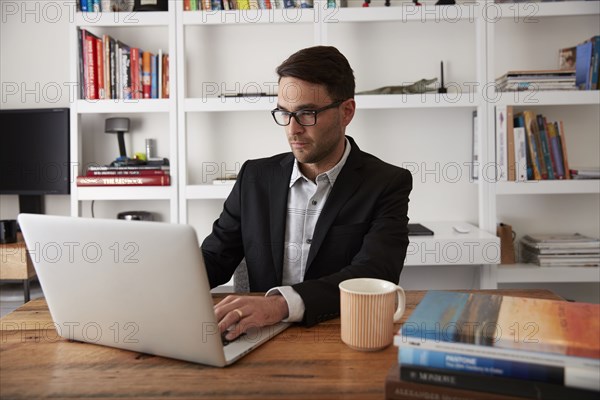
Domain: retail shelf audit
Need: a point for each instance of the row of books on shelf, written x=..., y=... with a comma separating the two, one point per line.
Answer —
x=215, y=5
x=133, y=175
x=122, y=5
x=530, y=147
x=484, y=346
x=111, y=69
x=578, y=69
x=560, y=250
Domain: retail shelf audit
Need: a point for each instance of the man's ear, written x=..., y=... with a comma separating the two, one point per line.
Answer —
x=348, y=109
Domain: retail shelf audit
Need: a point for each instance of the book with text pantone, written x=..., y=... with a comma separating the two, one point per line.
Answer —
x=539, y=331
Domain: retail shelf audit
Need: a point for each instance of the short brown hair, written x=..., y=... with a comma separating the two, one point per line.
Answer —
x=322, y=65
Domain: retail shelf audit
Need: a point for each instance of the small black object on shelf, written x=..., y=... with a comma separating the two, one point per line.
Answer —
x=445, y=2
x=442, y=88
x=118, y=126
x=151, y=5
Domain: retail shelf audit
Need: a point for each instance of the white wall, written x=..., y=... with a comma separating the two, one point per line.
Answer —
x=34, y=60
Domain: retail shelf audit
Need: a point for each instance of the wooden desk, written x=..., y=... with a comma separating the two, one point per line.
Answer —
x=300, y=363
x=15, y=264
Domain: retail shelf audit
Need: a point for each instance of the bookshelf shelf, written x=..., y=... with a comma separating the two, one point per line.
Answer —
x=531, y=11
x=590, y=186
x=279, y=16
x=530, y=273
x=428, y=100
x=549, y=98
x=404, y=13
x=210, y=104
x=124, y=106
x=448, y=247
x=122, y=19
x=127, y=193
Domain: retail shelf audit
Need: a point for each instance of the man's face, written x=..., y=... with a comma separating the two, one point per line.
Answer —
x=318, y=144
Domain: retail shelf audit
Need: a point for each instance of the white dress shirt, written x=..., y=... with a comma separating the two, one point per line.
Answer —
x=306, y=200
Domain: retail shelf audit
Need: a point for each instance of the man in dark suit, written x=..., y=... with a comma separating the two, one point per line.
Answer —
x=307, y=220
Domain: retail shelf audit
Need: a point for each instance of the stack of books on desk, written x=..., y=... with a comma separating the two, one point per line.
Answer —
x=483, y=346
x=132, y=175
x=573, y=250
x=554, y=79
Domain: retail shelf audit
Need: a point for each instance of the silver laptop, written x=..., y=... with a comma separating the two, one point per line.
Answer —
x=134, y=285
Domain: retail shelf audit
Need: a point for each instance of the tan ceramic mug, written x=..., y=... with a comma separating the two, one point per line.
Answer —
x=368, y=309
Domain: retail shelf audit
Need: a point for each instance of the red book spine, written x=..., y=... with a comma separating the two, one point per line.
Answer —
x=100, y=67
x=136, y=87
x=121, y=180
x=92, y=71
x=148, y=172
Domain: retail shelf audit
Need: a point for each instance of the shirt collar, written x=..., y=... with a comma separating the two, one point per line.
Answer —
x=331, y=175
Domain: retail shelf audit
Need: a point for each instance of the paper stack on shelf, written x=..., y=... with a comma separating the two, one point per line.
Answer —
x=561, y=250
x=554, y=79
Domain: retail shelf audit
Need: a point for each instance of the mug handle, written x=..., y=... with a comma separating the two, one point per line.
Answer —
x=401, y=303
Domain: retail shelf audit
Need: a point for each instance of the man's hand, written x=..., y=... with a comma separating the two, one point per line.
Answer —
x=244, y=312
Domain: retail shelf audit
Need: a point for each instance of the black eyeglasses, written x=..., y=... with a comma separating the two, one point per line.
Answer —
x=303, y=117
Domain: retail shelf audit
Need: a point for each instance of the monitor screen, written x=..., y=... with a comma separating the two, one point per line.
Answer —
x=34, y=151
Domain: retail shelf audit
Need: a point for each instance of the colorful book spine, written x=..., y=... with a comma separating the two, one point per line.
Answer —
x=503, y=386
x=121, y=180
x=136, y=84
x=541, y=125
x=146, y=74
x=556, y=152
x=154, y=77
x=450, y=361
x=529, y=123
x=563, y=146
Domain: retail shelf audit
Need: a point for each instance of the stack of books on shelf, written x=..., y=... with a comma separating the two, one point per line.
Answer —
x=554, y=79
x=482, y=346
x=211, y=5
x=110, y=69
x=573, y=250
x=132, y=175
x=529, y=146
x=585, y=173
x=585, y=59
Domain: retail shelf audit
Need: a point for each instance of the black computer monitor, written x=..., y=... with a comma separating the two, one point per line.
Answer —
x=34, y=155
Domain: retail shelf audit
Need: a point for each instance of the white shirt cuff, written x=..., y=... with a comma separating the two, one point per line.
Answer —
x=294, y=302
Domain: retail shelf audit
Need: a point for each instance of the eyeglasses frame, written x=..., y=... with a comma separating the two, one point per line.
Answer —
x=315, y=112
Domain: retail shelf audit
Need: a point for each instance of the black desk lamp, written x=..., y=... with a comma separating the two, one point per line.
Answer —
x=118, y=126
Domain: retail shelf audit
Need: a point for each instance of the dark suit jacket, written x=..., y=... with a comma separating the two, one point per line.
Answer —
x=361, y=232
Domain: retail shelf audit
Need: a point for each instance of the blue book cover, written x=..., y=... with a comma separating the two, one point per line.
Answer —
x=545, y=146
x=429, y=321
x=595, y=62
x=410, y=356
x=519, y=122
x=154, y=76
x=582, y=65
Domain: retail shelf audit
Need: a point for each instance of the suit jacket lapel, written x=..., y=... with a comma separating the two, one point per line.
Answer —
x=278, y=195
x=346, y=184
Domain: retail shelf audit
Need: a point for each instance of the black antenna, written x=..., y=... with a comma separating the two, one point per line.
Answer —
x=442, y=88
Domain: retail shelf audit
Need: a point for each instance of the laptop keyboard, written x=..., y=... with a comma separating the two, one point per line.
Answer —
x=226, y=341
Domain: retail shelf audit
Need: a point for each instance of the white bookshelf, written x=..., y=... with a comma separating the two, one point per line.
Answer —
x=87, y=116
x=197, y=49
x=560, y=25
